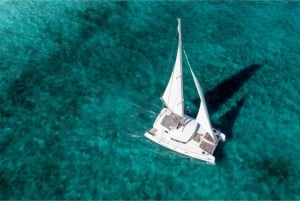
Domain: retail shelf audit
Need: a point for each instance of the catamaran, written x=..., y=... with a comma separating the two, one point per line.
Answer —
x=173, y=129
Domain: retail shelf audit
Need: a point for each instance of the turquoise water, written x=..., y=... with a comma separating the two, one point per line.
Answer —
x=80, y=84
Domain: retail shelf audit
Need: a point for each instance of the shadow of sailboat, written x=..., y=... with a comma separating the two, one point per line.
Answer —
x=217, y=96
x=226, y=89
x=228, y=119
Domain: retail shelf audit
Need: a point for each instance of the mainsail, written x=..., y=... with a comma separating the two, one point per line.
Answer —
x=173, y=95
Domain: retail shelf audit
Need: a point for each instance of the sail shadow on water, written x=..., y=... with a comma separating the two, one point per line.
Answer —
x=226, y=89
x=226, y=122
x=222, y=93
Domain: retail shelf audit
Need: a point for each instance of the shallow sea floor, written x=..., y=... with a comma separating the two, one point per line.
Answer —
x=80, y=83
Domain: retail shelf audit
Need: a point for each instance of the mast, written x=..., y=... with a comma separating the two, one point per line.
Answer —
x=173, y=94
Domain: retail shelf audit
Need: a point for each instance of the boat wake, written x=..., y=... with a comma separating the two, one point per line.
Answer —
x=143, y=109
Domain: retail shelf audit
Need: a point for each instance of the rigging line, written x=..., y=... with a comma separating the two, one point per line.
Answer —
x=186, y=58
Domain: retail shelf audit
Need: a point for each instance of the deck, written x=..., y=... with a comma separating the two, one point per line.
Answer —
x=198, y=147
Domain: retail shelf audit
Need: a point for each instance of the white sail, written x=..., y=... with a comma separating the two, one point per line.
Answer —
x=173, y=95
x=202, y=116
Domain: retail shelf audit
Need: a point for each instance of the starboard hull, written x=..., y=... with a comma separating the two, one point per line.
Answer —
x=177, y=147
x=191, y=139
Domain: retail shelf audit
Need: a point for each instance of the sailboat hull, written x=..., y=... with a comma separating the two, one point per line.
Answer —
x=190, y=139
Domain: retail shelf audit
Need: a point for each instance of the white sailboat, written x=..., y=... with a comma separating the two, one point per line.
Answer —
x=173, y=129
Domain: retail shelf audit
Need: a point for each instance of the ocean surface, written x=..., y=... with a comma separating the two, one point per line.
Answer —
x=80, y=83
